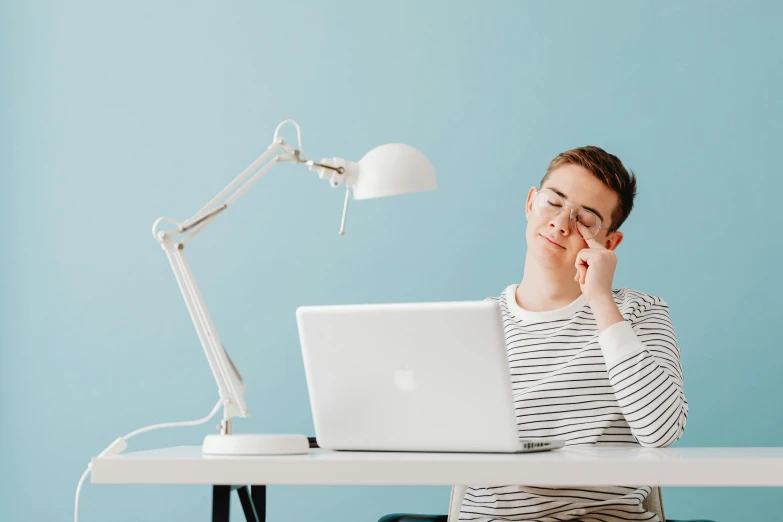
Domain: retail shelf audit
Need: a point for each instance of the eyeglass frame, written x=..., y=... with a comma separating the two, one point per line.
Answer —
x=571, y=213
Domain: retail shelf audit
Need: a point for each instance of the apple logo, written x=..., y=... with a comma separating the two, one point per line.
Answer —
x=403, y=379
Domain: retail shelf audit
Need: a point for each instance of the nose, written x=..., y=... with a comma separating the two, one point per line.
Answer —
x=562, y=221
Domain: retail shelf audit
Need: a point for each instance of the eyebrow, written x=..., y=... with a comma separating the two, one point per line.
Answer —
x=594, y=211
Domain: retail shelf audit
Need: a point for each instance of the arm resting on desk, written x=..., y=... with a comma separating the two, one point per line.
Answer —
x=643, y=361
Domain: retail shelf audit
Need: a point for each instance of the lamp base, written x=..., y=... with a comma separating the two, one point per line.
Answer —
x=255, y=444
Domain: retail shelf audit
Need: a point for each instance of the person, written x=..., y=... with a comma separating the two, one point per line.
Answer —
x=590, y=364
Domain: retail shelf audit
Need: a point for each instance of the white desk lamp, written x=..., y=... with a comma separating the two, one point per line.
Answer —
x=387, y=170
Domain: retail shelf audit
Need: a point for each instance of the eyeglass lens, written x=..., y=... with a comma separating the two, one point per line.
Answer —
x=549, y=204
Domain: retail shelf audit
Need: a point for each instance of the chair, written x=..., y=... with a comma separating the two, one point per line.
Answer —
x=653, y=503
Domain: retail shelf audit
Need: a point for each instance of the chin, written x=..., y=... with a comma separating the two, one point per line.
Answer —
x=549, y=258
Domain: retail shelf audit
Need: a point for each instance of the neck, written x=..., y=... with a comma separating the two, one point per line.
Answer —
x=544, y=289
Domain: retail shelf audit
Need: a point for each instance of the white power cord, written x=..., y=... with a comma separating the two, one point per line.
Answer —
x=119, y=445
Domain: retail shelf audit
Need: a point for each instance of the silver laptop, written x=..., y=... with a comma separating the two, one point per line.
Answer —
x=411, y=377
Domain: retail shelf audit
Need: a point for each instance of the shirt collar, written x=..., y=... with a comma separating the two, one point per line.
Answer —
x=537, y=317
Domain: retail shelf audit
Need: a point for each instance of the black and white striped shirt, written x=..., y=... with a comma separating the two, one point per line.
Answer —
x=622, y=387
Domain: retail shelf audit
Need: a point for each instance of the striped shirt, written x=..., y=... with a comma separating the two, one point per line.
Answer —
x=622, y=387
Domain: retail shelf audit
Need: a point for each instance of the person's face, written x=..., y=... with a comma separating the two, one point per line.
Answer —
x=553, y=241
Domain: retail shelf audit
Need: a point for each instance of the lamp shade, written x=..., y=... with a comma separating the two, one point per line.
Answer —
x=391, y=170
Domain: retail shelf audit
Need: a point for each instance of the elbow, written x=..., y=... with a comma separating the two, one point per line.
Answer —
x=658, y=444
x=666, y=437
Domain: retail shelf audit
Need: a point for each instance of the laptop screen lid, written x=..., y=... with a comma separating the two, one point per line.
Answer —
x=408, y=376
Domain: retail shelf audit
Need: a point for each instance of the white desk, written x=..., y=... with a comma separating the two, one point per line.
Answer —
x=572, y=466
x=581, y=466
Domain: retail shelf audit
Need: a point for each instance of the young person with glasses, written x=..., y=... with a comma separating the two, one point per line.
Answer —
x=590, y=364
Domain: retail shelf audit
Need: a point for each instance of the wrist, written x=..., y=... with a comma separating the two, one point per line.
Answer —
x=605, y=311
x=603, y=298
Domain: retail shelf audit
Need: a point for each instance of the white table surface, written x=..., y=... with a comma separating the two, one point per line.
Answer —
x=577, y=466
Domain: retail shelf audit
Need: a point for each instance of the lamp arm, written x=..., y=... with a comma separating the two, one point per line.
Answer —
x=229, y=382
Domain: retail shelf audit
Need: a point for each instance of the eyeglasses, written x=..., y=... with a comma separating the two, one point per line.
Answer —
x=547, y=204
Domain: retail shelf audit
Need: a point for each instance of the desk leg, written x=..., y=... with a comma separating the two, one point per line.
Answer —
x=253, y=502
x=258, y=497
x=248, y=504
x=221, y=503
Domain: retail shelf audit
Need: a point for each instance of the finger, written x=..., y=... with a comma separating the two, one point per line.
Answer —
x=583, y=275
x=592, y=241
x=578, y=274
x=589, y=256
x=584, y=256
x=595, y=244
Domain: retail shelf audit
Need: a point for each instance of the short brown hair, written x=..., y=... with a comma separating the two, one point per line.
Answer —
x=606, y=167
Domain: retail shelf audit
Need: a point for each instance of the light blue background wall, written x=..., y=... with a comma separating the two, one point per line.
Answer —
x=116, y=113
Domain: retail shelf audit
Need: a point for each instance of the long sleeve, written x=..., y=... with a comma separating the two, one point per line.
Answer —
x=620, y=387
x=643, y=362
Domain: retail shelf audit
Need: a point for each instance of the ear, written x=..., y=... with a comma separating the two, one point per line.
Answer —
x=613, y=240
x=529, y=202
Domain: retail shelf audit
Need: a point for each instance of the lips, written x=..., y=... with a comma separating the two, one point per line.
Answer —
x=552, y=242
